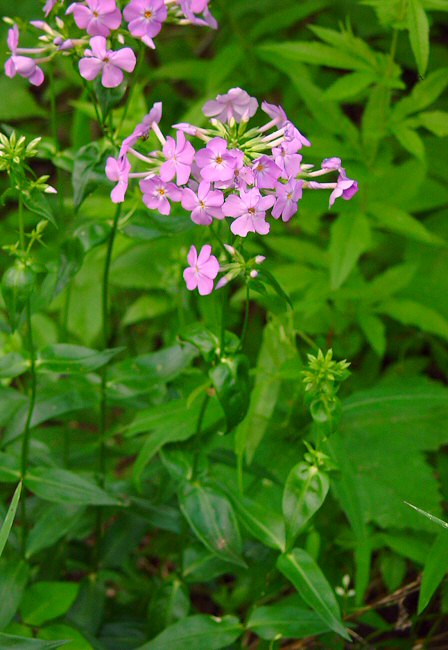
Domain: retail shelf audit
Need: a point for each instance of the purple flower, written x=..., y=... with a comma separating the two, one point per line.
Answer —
x=249, y=211
x=215, y=161
x=145, y=18
x=202, y=271
x=345, y=187
x=117, y=170
x=190, y=9
x=288, y=196
x=101, y=60
x=179, y=156
x=277, y=115
x=266, y=172
x=331, y=163
x=286, y=158
x=294, y=137
x=97, y=17
x=205, y=205
x=48, y=6
x=156, y=194
x=24, y=66
x=236, y=103
x=143, y=128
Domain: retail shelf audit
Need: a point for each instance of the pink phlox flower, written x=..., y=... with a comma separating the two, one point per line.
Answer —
x=24, y=66
x=287, y=198
x=145, y=18
x=294, y=137
x=143, y=128
x=156, y=194
x=191, y=9
x=242, y=176
x=236, y=103
x=179, y=156
x=202, y=271
x=215, y=161
x=97, y=17
x=332, y=163
x=345, y=187
x=107, y=62
x=117, y=170
x=13, y=39
x=276, y=113
x=249, y=211
x=49, y=6
x=205, y=205
x=286, y=158
x=266, y=172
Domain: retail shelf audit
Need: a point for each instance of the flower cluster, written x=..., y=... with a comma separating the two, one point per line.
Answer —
x=98, y=21
x=233, y=171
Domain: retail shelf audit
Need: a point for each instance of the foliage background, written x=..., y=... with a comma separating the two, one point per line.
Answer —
x=368, y=280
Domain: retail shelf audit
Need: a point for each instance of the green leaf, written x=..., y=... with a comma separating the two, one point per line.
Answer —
x=12, y=364
x=74, y=639
x=12, y=642
x=88, y=172
x=230, y=378
x=169, y=603
x=305, y=491
x=277, y=348
x=44, y=601
x=54, y=522
x=375, y=332
x=349, y=86
x=200, y=632
x=260, y=521
x=374, y=437
x=350, y=238
x=429, y=516
x=37, y=202
x=418, y=34
x=313, y=54
x=64, y=486
x=393, y=219
x=13, y=579
x=63, y=358
x=423, y=94
x=435, y=121
x=413, y=313
x=9, y=519
x=18, y=282
x=174, y=421
x=410, y=140
x=300, y=569
x=436, y=567
x=213, y=521
x=286, y=619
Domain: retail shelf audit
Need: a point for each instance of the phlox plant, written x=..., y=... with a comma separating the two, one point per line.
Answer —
x=203, y=422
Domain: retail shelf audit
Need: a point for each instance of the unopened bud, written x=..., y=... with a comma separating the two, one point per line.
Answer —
x=260, y=259
x=230, y=249
x=253, y=274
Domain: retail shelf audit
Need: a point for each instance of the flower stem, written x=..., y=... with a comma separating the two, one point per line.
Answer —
x=54, y=133
x=26, y=439
x=105, y=336
x=246, y=316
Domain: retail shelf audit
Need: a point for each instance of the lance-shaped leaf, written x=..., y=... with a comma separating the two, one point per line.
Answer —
x=9, y=519
x=198, y=632
x=231, y=381
x=310, y=582
x=64, y=358
x=305, y=491
x=419, y=34
x=63, y=486
x=213, y=521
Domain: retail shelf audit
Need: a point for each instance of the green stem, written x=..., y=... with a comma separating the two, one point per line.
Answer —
x=54, y=133
x=106, y=334
x=246, y=316
x=26, y=439
x=224, y=293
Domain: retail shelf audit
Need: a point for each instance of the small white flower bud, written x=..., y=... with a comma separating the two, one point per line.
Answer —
x=260, y=259
x=253, y=273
